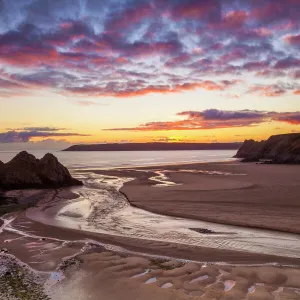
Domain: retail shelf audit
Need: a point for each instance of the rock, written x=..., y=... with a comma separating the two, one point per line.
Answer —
x=284, y=148
x=250, y=150
x=25, y=171
x=250, y=159
x=53, y=172
x=203, y=230
x=23, y=160
x=1, y=164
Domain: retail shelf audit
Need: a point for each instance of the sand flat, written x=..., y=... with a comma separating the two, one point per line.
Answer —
x=263, y=196
x=111, y=267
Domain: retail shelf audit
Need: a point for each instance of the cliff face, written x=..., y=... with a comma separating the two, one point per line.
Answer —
x=25, y=171
x=284, y=148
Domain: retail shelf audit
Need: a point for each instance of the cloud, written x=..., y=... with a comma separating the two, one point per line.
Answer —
x=46, y=144
x=130, y=16
x=221, y=115
x=217, y=119
x=276, y=11
x=267, y=91
x=289, y=62
x=169, y=139
x=25, y=136
x=297, y=92
x=37, y=129
x=84, y=47
x=87, y=103
x=275, y=90
x=291, y=118
x=195, y=9
x=136, y=88
x=293, y=39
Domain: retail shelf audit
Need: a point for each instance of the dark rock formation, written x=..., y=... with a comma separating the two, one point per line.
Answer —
x=283, y=148
x=25, y=171
x=1, y=164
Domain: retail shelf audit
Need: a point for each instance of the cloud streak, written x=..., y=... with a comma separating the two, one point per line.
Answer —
x=26, y=136
x=217, y=119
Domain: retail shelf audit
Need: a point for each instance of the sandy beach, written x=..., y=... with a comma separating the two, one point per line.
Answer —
x=247, y=194
x=71, y=265
x=74, y=259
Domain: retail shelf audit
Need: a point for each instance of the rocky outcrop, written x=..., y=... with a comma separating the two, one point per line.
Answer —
x=283, y=148
x=250, y=150
x=25, y=171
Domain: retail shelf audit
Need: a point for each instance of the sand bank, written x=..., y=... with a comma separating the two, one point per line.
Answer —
x=256, y=195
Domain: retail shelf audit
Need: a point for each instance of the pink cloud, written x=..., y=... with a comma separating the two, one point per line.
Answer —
x=194, y=9
x=217, y=119
x=267, y=90
x=151, y=89
x=293, y=39
x=234, y=19
x=178, y=61
x=129, y=17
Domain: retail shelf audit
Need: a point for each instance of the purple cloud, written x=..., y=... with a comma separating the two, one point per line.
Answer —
x=85, y=48
x=217, y=119
x=25, y=136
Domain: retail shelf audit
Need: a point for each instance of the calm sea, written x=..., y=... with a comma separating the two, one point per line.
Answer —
x=79, y=160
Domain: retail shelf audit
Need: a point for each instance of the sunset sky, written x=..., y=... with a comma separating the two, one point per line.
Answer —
x=89, y=71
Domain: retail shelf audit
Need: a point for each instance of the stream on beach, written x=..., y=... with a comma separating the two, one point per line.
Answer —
x=100, y=207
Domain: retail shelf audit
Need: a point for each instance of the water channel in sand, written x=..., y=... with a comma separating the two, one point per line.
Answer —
x=101, y=208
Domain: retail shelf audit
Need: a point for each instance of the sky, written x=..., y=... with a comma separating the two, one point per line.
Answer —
x=90, y=71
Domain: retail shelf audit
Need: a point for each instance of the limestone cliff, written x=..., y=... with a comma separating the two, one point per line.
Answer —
x=283, y=148
x=25, y=171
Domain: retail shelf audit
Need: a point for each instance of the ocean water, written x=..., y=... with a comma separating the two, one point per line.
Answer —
x=110, y=159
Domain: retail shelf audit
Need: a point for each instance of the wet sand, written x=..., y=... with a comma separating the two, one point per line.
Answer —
x=87, y=265
x=128, y=246
x=101, y=210
x=71, y=265
x=265, y=196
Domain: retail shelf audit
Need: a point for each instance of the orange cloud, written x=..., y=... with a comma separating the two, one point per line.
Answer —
x=27, y=57
x=293, y=39
x=217, y=119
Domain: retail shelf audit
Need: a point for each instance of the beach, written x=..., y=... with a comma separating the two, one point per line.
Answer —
x=246, y=194
x=73, y=265
x=165, y=232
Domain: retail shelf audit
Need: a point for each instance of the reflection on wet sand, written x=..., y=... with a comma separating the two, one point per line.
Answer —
x=102, y=208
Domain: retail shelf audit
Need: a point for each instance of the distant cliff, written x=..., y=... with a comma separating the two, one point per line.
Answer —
x=155, y=147
x=283, y=148
x=25, y=171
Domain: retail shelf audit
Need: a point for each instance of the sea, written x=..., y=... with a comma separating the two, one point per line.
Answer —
x=111, y=159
